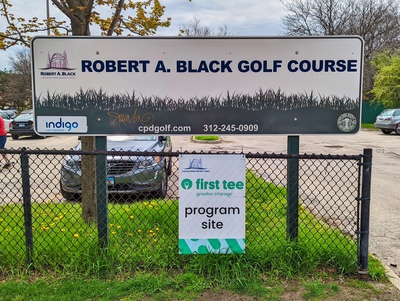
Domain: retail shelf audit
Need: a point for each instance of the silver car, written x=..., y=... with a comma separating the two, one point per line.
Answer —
x=125, y=174
x=388, y=121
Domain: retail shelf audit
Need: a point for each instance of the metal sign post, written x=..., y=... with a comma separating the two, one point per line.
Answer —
x=102, y=195
x=292, y=214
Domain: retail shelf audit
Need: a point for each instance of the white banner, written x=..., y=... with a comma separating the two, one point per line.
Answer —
x=212, y=192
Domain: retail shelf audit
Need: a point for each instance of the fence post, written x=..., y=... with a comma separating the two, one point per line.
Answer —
x=292, y=215
x=26, y=196
x=102, y=195
x=365, y=210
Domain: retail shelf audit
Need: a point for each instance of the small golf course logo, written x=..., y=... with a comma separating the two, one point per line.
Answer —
x=347, y=122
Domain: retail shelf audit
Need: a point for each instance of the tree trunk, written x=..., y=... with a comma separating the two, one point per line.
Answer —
x=80, y=27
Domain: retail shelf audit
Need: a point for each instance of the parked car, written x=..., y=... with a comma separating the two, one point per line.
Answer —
x=22, y=125
x=388, y=121
x=7, y=120
x=125, y=174
x=11, y=113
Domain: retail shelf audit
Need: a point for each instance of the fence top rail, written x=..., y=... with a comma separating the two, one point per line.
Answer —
x=250, y=155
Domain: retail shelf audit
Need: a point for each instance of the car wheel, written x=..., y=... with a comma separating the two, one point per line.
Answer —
x=14, y=137
x=397, y=129
x=386, y=131
x=68, y=195
x=169, y=167
x=162, y=191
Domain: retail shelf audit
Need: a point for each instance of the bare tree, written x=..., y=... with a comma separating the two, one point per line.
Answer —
x=21, y=62
x=15, y=84
x=20, y=87
x=193, y=28
x=376, y=21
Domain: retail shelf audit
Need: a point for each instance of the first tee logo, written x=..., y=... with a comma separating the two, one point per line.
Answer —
x=186, y=184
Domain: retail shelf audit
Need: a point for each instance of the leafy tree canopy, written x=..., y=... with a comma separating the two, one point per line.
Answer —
x=387, y=80
x=126, y=17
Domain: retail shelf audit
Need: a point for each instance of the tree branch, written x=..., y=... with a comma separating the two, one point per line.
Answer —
x=116, y=17
x=62, y=8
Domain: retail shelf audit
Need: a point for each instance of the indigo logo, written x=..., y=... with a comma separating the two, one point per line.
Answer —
x=61, y=125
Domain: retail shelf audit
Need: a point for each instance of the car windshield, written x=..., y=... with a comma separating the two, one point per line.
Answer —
x=387, y=112
x=23, y=117
x=132, y=138
x=4, y=115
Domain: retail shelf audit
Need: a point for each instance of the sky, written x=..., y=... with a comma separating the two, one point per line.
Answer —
x=242, y=17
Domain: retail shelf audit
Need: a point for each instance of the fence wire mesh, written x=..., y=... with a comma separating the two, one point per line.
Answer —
x=44, y=199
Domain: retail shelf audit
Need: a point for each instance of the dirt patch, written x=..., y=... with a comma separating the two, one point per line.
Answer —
x=298, y=290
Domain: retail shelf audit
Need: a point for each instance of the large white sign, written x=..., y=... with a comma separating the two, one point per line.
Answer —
x=259, y=85
x=212, y=192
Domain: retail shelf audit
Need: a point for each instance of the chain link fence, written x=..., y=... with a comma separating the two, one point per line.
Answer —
x=42, y=221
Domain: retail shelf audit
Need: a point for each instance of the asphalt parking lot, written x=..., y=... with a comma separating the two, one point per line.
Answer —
x=385, y=209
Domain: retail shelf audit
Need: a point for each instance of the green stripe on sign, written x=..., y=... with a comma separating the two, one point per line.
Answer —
x=184, y=247
x=235, y=245
x=212, y=246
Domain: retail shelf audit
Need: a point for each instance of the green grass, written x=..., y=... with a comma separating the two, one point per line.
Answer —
x=142, y=261
x=369, y=126
x=318, y=290
x=206, y=138
x=144, y=235
x=148, y=285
